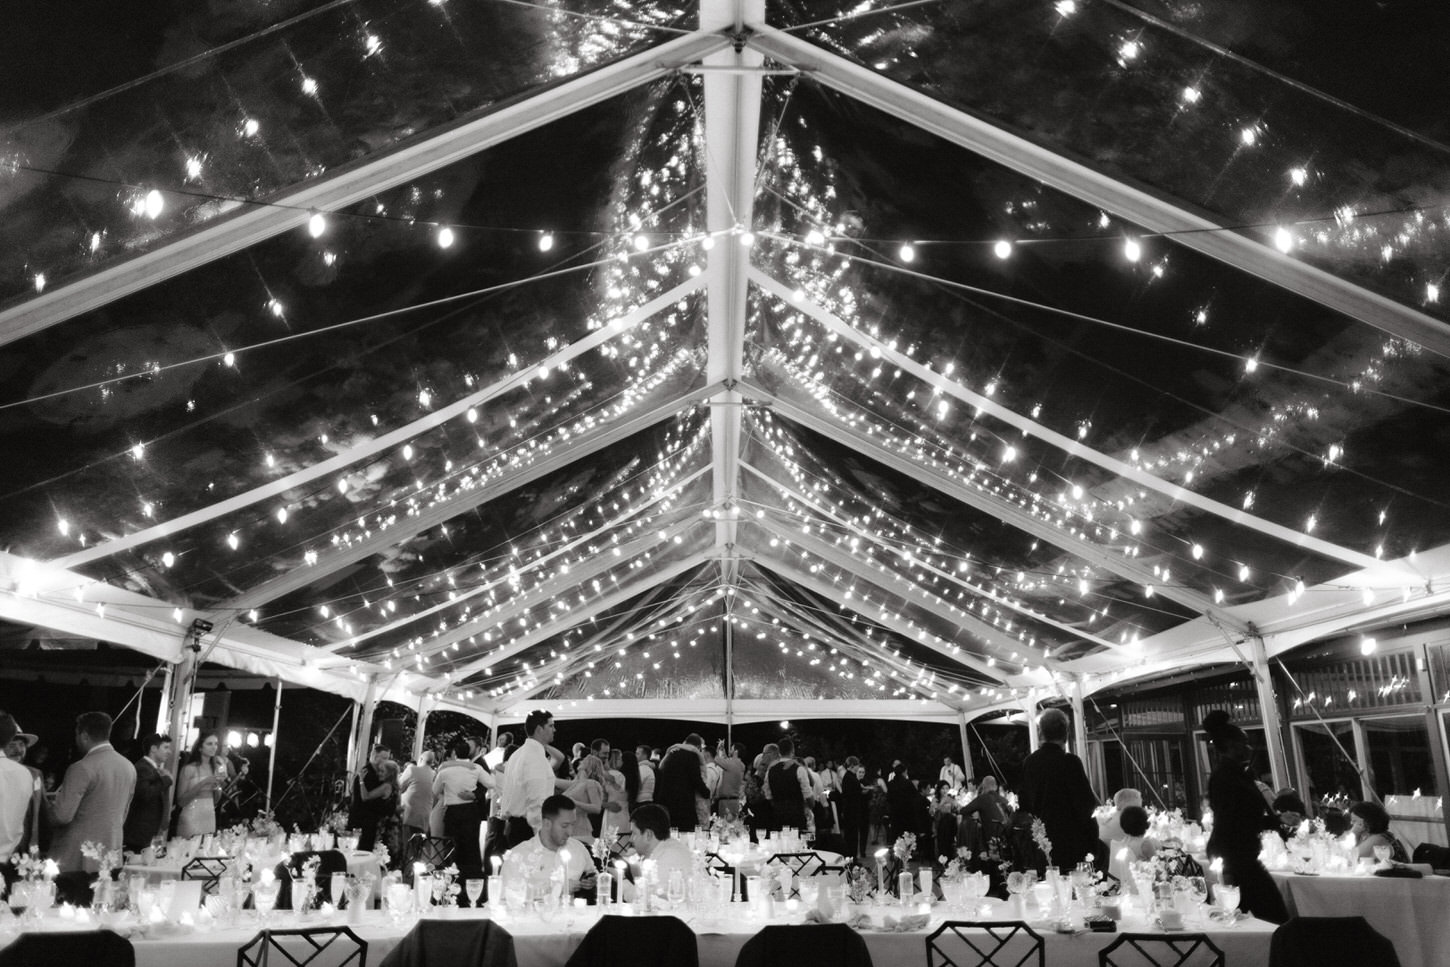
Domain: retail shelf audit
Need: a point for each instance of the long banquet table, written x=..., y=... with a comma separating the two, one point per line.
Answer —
x=1411, y=913
x=549, y=944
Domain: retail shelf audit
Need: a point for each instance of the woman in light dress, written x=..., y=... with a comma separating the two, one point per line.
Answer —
x=589, y=798
x=616, y=796
x=416, y=785
x=204, y=776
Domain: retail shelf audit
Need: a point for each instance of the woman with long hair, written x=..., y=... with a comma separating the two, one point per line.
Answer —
x=204, y=775
x=1239, y=816
x=629, y=765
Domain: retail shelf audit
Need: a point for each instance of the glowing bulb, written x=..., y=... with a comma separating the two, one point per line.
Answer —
x=250, y=127
x=316, y=225
x=445, y=237
x=1367, y=646
x=908, y=253
x=40, y=282
x=281, y=515
x=1132, y=251
x=1066, y=8
x=1009, y=453
x=1244, y=572
x=546, y=242
x=641, y=243
x=309, y=86
x=154, y=204
x=1298, y=176
x=1432, y=292
x=747, y=239
x=1251, y=364
x=1283, y=240
x=168, y=559
x=1129, y=50
x=1248, y=136
x=471, y=415
x=814, y=237
x=233, y=541
x=1003, y=249
x=1191, y=95
x=193, y=168
x=230, y=359
x=1197, y=552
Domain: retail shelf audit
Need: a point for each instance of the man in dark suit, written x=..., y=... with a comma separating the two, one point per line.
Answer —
x=1056, y=790
x=147, y=816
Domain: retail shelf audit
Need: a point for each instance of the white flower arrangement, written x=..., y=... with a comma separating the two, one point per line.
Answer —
x=33, y=867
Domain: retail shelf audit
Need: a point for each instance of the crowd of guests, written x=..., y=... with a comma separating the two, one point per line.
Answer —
x=510, y=803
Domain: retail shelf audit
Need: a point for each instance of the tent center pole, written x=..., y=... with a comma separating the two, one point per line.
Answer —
x=272, y=751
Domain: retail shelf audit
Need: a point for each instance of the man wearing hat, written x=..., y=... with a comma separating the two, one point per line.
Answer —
x=20, y=791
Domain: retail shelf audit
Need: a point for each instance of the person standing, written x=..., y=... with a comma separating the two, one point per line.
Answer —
x=91, y=803
x=788, y=789
x=680, y=781
x=146, y=819
x=456, y=786
x=951, y=774
x=416, y=787
x=1055, y=789
x=1239, y=816
x=204, y=776
x=732, y=780
x=646, y=775
x=372, y=797
x=528, y=780
x=19, y=793
x=854, y=824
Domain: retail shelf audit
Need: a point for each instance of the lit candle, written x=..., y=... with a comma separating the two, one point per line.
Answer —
x=619, y=867
x=495, y=861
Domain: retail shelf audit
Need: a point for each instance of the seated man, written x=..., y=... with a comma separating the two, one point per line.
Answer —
x=649, y=827
x=552, y=855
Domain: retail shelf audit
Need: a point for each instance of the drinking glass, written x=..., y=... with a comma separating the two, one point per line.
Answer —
x=1228, y=899
x=264, y=896
x=399, y=900
x=474, y=889
x=675, y=891
x=1198, y=891
x=338, y=887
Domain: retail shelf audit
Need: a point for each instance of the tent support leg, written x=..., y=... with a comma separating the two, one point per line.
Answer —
x=181, y=679
x=966, y=749
x=1269, y=710
x=421, y=728
x=1079, y=733
x=272, y=752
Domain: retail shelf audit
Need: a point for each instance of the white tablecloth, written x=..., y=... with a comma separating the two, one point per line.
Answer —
x=1413, y=914
x=540, y=944
x=358, y=863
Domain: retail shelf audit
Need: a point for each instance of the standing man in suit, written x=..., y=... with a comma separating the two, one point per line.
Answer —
x=91, y=803
x=1055, y=789
x=147, y=815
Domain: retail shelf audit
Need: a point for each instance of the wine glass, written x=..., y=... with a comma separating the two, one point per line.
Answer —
x=474, y=889
x=1228, y=900
x=675, y=892
x=1198, y=892
x=338, y=887
x=264, y=897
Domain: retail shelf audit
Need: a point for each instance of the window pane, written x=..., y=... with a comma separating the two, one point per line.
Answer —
x=1400, y=756
x=1332, y=777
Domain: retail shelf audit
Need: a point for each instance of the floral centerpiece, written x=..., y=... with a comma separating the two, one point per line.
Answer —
x=604, y=846
x=1039, y=836
x=33, y=889
x=859, y=883
x=31, y=867
x=904, y=848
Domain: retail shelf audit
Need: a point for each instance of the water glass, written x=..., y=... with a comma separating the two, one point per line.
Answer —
x=474, y=889
x=1228, y=900
x=604, y=889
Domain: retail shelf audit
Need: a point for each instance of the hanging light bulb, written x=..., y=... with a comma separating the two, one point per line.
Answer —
x=1132, y=251
x=908, y=252
x=445, y=237
x=1003, y=249
x=546, y=241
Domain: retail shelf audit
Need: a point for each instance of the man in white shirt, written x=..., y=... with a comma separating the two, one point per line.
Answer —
x=552, y=855
x=528, y=780
x=951, y=773
x=649, y=828
x=18, y=792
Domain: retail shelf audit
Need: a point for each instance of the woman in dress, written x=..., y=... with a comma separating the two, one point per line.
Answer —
x=587, y=791
x=1370, y=825
x=1240, y=814
x=616, y=797
x=204, y=775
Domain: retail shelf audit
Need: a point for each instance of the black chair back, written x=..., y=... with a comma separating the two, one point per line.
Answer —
x=1330, y=942
x=637, y=941
x=801, y=864
x=476, y=943
x=1437, y=856
x=209, y=870
x=1160, y=950
x=94, y=948
x=329, y=861
x=811, y=945
x=435, y=851
x=327, y=946
x=984, y=943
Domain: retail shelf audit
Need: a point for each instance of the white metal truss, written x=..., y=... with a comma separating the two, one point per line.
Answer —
x=365, y=452
x=1137, y=205
x=1071, y=447
x=247, y=225
x=586, y=443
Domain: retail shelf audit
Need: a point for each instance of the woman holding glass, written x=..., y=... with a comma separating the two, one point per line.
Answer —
x=1240, y=814
x=204, y=775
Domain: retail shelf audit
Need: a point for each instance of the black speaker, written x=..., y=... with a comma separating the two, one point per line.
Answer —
x=390, y=734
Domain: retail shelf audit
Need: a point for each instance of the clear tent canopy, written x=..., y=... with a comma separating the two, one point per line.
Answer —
x=740, y=359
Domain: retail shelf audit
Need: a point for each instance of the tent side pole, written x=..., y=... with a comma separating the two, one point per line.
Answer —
x=966, y=748
x=181, y=678
x=272, y=750
x=421, y=728
x=1079, y=735
x=1269, y=710
x=1029, y=706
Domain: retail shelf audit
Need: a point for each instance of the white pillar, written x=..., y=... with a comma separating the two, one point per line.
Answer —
x=362, y=736
x=1269, y=710
x=1079, y=733
x=424, y=708
x=1029, y=706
